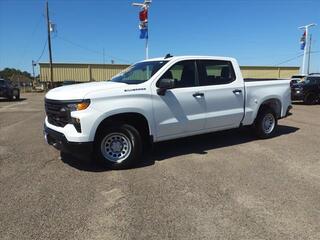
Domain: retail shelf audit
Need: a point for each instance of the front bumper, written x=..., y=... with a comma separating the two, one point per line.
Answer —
x=60, y=142
x=296, y=95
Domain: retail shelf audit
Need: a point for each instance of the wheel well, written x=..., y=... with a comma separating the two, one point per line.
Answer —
x=136, y=120
x=273, y=104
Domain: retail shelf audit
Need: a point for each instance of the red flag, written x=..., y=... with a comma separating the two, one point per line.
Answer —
x=143, y=15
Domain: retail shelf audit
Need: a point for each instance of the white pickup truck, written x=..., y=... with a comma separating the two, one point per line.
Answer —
x=160, y=99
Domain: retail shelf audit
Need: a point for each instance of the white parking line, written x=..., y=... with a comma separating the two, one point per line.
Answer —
x=14, y=104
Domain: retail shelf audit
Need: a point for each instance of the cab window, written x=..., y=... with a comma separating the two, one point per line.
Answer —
x=215, y=72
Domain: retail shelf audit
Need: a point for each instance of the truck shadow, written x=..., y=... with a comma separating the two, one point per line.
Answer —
x=302, y=103
x=200, y=144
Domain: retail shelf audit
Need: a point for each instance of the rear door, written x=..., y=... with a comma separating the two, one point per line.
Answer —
x=182, y=109
x=223, y=94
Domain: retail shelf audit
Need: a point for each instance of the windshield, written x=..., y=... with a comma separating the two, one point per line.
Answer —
x=139, y=72
x=5, y=83
x=313, y=79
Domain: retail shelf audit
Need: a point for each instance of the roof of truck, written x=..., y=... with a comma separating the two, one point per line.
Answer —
x=187, y=57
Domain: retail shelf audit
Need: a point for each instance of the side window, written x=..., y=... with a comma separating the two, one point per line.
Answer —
x=215, y=72
x=184, y=74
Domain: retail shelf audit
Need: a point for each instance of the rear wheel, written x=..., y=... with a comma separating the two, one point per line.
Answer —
x=118, y=147
x=266, y=123
x=310, y=98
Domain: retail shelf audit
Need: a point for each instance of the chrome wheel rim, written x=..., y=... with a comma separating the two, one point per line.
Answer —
x=116, y=147
x=268, y=123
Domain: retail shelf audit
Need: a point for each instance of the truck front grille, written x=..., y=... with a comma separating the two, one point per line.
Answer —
x=57, y=112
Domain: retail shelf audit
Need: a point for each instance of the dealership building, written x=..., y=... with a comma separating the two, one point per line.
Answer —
x=86, y=72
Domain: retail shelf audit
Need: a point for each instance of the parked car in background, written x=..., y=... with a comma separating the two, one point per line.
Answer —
x=299, y=76
x=68, y=82
x=307, y=90
x=8, y=90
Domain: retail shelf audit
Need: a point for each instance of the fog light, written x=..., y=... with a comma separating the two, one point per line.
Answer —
x=76, y=123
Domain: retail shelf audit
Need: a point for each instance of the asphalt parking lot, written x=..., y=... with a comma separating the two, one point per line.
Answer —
x=225, y=185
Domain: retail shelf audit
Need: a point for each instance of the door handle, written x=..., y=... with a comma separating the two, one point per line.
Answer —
x=198, y=94
x=237, y=91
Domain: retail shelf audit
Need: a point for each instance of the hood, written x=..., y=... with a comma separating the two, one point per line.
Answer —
x=79, y=91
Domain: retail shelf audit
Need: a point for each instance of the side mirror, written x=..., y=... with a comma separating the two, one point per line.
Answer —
x=164, y=84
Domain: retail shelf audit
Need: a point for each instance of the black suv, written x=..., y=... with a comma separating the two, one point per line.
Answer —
x=7, y=90
x=307, y=90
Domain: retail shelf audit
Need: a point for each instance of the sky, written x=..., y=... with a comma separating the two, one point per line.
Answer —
x=257, y=33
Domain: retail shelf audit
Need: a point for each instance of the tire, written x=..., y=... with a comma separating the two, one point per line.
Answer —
x=15, y=94
x=118, y=147
x=17, y=97
x=266, y=123
x=310, y=98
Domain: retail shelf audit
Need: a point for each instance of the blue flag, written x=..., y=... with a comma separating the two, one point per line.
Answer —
x=144, y=33
x=303, y=41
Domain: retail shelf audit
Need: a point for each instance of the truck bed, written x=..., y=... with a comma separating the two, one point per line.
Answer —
x=262, y=79
x=260, y=90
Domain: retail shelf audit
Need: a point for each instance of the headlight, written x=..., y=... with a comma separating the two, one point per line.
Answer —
x=79, y=105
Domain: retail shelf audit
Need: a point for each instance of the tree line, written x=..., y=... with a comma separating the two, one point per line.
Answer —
x=9, y=73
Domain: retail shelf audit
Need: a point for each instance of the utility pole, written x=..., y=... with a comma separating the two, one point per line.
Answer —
x=49, y=45
x=33, y=65
x=306, y=29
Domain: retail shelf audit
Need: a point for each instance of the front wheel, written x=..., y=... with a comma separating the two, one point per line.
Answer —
x=118, y=147
x=15, y=94
x=266, y=123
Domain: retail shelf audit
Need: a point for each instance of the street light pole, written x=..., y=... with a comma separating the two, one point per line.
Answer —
x=309, y=53
x=306, y=28
x=147, y=49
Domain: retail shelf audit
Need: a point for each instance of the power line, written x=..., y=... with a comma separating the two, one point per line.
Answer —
x=78, y=45
x=289, y=60
x=27, y=43
x=44, y=48
x=296, y=57
x=91, y=50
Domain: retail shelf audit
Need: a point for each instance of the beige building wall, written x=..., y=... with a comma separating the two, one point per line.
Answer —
x=101, y=72
x=80, y=72
x=268, y=72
